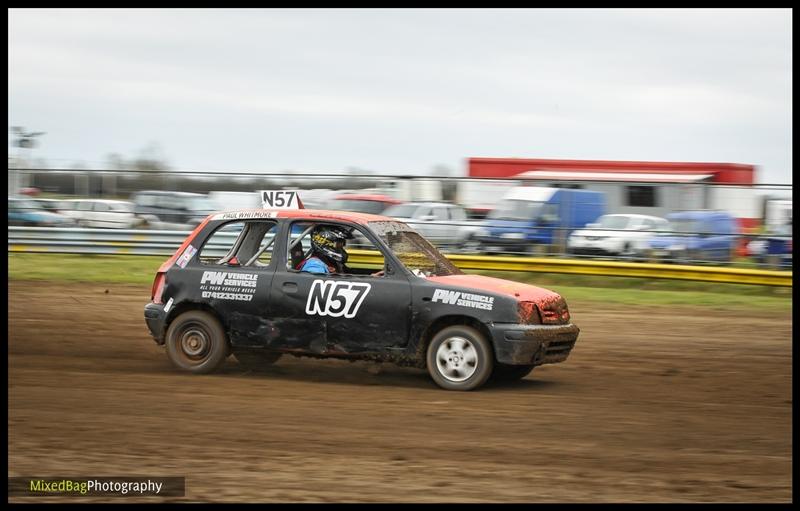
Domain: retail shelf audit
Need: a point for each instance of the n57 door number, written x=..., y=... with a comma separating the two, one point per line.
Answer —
x=336, y=299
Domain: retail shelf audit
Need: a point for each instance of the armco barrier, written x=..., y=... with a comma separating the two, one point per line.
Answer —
x=164, y=243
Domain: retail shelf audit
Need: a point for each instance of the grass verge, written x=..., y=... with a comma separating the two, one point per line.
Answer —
x=621, y=290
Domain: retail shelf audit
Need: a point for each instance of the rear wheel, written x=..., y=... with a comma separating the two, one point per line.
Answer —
x=507, y=373
x=257, y=360
x=196, y=342
x=459, y=358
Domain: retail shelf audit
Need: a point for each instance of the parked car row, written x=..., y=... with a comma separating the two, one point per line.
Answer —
x=146, y=209
x=572, y=222
x=527, y=219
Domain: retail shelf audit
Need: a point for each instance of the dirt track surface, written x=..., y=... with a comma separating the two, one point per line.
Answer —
x=653, y=405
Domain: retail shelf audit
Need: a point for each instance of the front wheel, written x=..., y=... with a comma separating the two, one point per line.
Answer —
x=196, y=342
x=459, y=358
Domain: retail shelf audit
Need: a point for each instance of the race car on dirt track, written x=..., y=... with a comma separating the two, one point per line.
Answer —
x=233, y=287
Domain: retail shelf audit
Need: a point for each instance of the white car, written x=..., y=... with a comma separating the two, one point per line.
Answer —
x=617, y=235
x=103, y=213
x=442, y=223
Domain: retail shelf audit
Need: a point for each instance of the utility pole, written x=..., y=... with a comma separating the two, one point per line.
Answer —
x=24, y=140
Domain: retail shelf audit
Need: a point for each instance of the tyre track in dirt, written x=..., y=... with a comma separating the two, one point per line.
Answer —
x=667, y=404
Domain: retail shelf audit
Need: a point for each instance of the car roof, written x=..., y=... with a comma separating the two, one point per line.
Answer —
x=167, y=192
x=105, y=201
x=308, y=214
x=692, y=215
x=431, y=204
x=636, y=215
x=367, y=196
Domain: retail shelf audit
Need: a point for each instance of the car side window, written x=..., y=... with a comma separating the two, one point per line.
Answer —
x=458, y=214
x=244, y=243
x=363, y=256
x=146, y=199
x=440, y=214
x=84, y=206
x=100, y=207
x=168, y=202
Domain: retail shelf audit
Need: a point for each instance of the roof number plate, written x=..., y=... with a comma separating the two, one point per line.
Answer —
x=280, y=199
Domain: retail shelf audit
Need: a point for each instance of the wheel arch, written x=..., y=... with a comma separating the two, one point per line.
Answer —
x=443, y=322
x=188, y=305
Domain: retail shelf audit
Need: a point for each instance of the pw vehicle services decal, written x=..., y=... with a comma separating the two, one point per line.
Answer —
x=336, y=298
x=224, y=285
x=463, y=299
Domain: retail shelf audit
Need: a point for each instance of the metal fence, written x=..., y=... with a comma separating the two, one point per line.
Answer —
x=165, y=243
x=751, y=246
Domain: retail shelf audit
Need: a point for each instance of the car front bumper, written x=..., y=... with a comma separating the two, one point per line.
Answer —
x=533, y=344
x=155, y=317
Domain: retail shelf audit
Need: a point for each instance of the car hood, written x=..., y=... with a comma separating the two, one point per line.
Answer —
x=516, y=290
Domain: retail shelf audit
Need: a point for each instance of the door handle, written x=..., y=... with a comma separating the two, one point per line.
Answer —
x=290, y=287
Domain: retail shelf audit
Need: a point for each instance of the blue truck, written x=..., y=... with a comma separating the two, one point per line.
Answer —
x=530, y=216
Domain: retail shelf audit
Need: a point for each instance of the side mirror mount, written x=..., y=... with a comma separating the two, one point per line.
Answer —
x=427, y=218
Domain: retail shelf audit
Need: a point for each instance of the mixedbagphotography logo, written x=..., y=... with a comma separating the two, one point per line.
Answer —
x=90, y=486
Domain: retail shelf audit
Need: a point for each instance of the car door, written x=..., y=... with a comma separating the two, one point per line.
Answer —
x=440, y=225
x=340, y=313
x=223, y=276
x=420, y=220
x=99, y=215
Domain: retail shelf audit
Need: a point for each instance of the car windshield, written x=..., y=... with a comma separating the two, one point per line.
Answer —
x=358, y=205
x=414, y=251
x=614, y=222
x=401, y=211
x=514, y=209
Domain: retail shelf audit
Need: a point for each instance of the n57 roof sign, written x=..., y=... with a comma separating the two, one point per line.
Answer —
x=280, y=199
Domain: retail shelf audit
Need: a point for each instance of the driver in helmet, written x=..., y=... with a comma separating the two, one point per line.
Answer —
x=327, y=251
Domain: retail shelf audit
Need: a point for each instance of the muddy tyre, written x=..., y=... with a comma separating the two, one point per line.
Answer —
x=196, y=342
x=507, y=373
x=459, y=358
x=256, y=361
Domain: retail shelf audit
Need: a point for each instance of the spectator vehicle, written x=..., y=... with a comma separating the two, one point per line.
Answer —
x=442, y=223
x=375, y=204
x=528, y=216
x=236, y=290
x=102, y=213
x=24, y=211
x=695, y=236
x=774, y=249
x=171, y=210
x=626, y=235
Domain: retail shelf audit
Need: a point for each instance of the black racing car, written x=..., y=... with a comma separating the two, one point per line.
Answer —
x=233, y=287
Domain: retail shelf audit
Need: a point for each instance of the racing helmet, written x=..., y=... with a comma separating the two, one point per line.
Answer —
x=328, y=243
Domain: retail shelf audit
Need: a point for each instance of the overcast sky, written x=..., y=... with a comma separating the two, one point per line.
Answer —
x=402, y=91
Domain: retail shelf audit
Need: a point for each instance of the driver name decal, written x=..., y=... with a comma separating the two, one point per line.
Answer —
x=463, y=299
x=336, y=298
